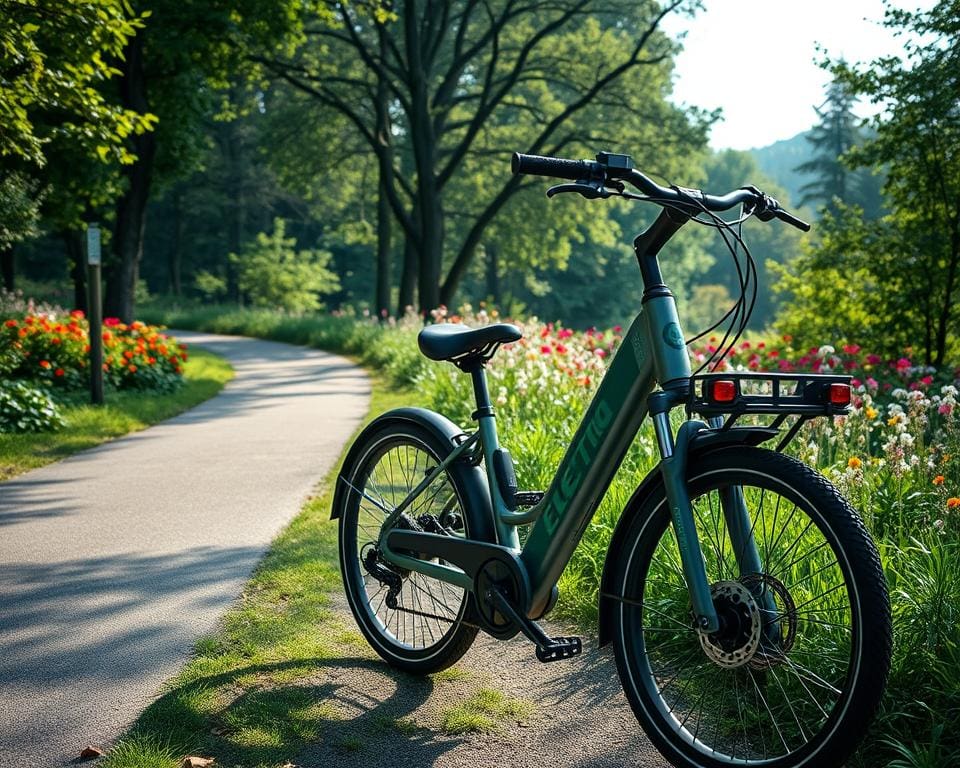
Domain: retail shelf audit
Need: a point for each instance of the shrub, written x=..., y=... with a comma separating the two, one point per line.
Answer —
x=272, y=274
x=25, y=408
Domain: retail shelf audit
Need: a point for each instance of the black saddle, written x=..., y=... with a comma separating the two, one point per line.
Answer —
x=462, y=345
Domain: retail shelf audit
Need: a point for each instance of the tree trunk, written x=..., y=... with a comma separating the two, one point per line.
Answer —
x=384, y=215
x=431, y=251
x=493, y=275
x=73, y=243
x=176, y=252
x=7, y=267
x=383, y=253
x=132, y=205
x=407, y=278
x=948, y=294
x=232, y=143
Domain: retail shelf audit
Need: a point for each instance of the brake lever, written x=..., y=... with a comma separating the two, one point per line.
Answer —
x=589, y=191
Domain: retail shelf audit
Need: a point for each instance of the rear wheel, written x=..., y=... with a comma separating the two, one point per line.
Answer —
x=413, y=621
x=796, y=671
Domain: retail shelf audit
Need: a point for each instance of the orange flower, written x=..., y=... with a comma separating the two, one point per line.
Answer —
x=953, y=502
x=132, y=368
x=854, y=463
x=44, y=363
x=938, y=480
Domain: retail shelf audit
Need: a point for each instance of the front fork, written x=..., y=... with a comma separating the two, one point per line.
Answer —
x=674, y=453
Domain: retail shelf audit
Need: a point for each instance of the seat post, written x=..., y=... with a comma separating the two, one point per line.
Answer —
x=480, y=392
x=487, y=423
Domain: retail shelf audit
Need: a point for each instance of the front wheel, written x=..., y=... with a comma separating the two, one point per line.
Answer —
x=796, y=671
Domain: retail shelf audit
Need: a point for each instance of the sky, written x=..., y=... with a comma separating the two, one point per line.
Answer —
x=757, y=60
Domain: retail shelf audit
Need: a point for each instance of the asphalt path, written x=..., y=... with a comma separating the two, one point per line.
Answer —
x=114, y=561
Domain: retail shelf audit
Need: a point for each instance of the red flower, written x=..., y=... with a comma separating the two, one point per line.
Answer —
x=111, y=321
x=546, y=349
x=44, y=364
x=11, y=323
x=132, y=368
x=562, y=350
x=77, y=313
x=58, y=372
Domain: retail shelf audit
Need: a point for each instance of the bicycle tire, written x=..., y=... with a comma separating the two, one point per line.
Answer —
x=388, y=461
x=836, y=699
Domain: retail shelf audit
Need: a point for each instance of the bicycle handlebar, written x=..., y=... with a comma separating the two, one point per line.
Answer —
x=618, y=167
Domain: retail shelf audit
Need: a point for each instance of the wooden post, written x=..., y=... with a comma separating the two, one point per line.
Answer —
x=95, y=314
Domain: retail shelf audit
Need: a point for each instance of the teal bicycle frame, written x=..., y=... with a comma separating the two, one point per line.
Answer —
x=652, y=350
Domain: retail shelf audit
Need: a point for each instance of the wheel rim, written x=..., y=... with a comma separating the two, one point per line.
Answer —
x=428, y=610
x=726, y=698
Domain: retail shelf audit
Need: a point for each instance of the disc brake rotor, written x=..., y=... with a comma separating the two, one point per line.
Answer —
x=737, y=640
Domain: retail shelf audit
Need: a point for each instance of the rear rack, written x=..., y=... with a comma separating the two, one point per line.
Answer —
x=806, y=395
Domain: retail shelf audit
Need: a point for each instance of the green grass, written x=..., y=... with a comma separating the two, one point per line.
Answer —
x=483, y=712
x=249, y=696
x=122, y=413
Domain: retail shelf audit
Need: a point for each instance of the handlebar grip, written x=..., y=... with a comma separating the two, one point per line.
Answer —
x=556, y=167
x=789, y=218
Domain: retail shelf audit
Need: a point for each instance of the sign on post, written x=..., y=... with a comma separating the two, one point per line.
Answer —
x=96, y=314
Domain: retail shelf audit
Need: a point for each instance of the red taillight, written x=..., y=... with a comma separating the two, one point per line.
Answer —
x=723, y=391
x=840, y=394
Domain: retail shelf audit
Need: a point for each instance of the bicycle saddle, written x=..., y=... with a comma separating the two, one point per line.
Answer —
x=457, y=342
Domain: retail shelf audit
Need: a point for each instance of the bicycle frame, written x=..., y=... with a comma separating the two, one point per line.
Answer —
x=652, y=350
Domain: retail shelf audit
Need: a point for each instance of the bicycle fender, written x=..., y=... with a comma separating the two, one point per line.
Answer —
x=701, y=444
x=473, y=480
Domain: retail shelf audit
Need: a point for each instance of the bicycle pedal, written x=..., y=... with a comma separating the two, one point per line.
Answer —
x=528, y=498
x=559, y=648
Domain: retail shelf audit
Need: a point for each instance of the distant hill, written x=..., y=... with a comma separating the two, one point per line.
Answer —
x=780, y=158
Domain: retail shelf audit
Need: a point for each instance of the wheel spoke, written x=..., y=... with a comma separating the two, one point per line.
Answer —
x=784, y=685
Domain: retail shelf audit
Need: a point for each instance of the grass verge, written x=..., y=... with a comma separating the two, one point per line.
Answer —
x=204, y=376
x=260, y=690
x=250, y=695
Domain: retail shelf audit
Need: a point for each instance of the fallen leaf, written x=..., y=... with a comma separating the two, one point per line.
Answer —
x=196, y=762
x=89, y=752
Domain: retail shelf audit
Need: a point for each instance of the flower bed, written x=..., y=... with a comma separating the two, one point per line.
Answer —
x=895, y=456
x=49, y=352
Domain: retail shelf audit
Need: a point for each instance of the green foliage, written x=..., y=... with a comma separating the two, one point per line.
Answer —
x=19, y=209
x=53, y=66
x=835, y=295
x=273, y=274
x=25, y=408
x=769, y=242
x=915, y=140
x=212, y=287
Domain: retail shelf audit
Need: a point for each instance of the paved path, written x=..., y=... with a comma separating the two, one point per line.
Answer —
x=115, y=560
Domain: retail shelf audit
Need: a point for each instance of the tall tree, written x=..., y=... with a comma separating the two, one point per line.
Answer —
x=455, y=71
x=831, y=138
x=177, y=68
